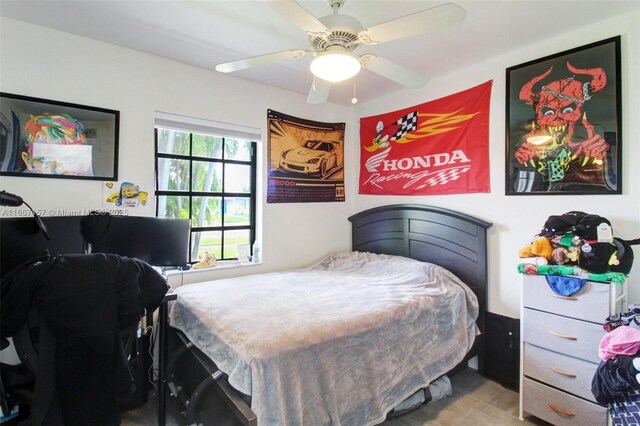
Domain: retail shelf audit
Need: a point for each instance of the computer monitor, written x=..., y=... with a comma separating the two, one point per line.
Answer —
x=21, y=239
x=157, y=241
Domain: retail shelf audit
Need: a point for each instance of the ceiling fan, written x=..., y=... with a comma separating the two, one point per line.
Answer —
x=334, y=37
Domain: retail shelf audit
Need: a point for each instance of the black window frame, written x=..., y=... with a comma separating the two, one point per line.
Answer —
x=190, y=194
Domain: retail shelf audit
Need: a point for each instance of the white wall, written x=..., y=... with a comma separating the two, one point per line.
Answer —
x=517, y=219
x=83, y=71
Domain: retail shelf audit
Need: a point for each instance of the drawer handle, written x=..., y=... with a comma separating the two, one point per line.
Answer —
x=564, y=373
x=565, y=297
x=564, y=336
x=561, y=411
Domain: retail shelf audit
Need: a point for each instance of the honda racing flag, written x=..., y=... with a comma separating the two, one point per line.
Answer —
x=439, y=147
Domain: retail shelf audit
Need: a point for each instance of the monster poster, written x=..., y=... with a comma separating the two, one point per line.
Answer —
x=563, y=123
x=306, y=160
x=436, y=148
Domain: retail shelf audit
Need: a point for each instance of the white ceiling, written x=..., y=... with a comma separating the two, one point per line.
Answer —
x=205, y=33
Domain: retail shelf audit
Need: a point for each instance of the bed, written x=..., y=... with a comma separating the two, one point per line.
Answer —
x=346, y=339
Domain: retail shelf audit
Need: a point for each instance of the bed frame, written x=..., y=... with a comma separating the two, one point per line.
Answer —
x=447, y=238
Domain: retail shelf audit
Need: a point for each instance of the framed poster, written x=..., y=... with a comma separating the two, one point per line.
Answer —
x=563, y=117
x=44, y=138
x=306, y=160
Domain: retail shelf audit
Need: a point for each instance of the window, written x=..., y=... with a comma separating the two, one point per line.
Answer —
x=209, y=177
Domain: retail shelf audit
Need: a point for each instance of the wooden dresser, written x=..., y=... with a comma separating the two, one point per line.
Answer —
x=560, y=337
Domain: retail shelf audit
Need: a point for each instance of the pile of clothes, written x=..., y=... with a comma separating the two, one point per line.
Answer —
x=582, y=242
x=616, y=382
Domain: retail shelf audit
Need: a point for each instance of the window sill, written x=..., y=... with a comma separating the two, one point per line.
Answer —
x=177, y=277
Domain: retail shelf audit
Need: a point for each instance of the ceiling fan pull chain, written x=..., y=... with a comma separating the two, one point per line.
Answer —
x=354, y=100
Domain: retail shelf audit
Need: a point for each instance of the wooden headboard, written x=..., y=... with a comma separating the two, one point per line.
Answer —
x=453, y=240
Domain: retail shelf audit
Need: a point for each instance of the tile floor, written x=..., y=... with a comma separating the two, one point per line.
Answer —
x=475, y=401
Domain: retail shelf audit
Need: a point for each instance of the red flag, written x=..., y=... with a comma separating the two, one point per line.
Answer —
x=439, y=147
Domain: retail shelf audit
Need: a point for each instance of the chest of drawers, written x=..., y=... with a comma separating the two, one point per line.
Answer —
x=559, y=350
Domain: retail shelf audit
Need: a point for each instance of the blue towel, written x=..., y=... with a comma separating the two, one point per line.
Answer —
x=565, y=286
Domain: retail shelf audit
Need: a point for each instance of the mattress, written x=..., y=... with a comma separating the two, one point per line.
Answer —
x=340, y=342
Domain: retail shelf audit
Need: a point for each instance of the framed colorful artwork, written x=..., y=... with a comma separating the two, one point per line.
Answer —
x=563, y=118
x=44, y=138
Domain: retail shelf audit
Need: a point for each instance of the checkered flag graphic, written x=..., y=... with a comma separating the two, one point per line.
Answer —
x=407, y=124
x=442, y=177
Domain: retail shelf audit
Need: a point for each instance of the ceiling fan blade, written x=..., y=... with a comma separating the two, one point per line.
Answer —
x=260, y=60
x=297, y=14
x=393, y=71
x=446, y=15
x=319, y=91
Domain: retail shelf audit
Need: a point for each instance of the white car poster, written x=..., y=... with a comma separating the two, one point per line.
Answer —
x=306, y=160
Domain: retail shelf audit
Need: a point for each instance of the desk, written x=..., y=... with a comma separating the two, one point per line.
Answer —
x=163, y=323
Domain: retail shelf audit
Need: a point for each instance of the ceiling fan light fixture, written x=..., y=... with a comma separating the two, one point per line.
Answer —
x=335, y=66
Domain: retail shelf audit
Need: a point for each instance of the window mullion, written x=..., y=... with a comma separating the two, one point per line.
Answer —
x=222, y=198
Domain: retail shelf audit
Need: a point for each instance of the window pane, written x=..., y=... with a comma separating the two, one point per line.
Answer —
x=237, y=211
x=210, y=241
x=236, y=149
x=173, y=174
x=237, y=178
x=207, y=146
x=173, y=142
x=173, y=206
x=232, y=239
x=206, y=211
x=207, y=176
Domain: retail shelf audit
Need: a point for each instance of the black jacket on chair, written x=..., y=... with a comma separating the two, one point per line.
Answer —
x=84, y=302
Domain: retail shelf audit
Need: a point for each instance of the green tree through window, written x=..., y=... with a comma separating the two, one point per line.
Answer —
x=211, y=180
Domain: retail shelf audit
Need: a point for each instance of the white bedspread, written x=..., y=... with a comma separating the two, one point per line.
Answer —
x=340, y=342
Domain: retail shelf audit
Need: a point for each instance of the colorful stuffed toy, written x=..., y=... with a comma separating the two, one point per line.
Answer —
x=562, y=255
x=539, y=247
x=616, y=256
x=596, y=257
x=566, y=249
x=622, y=259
